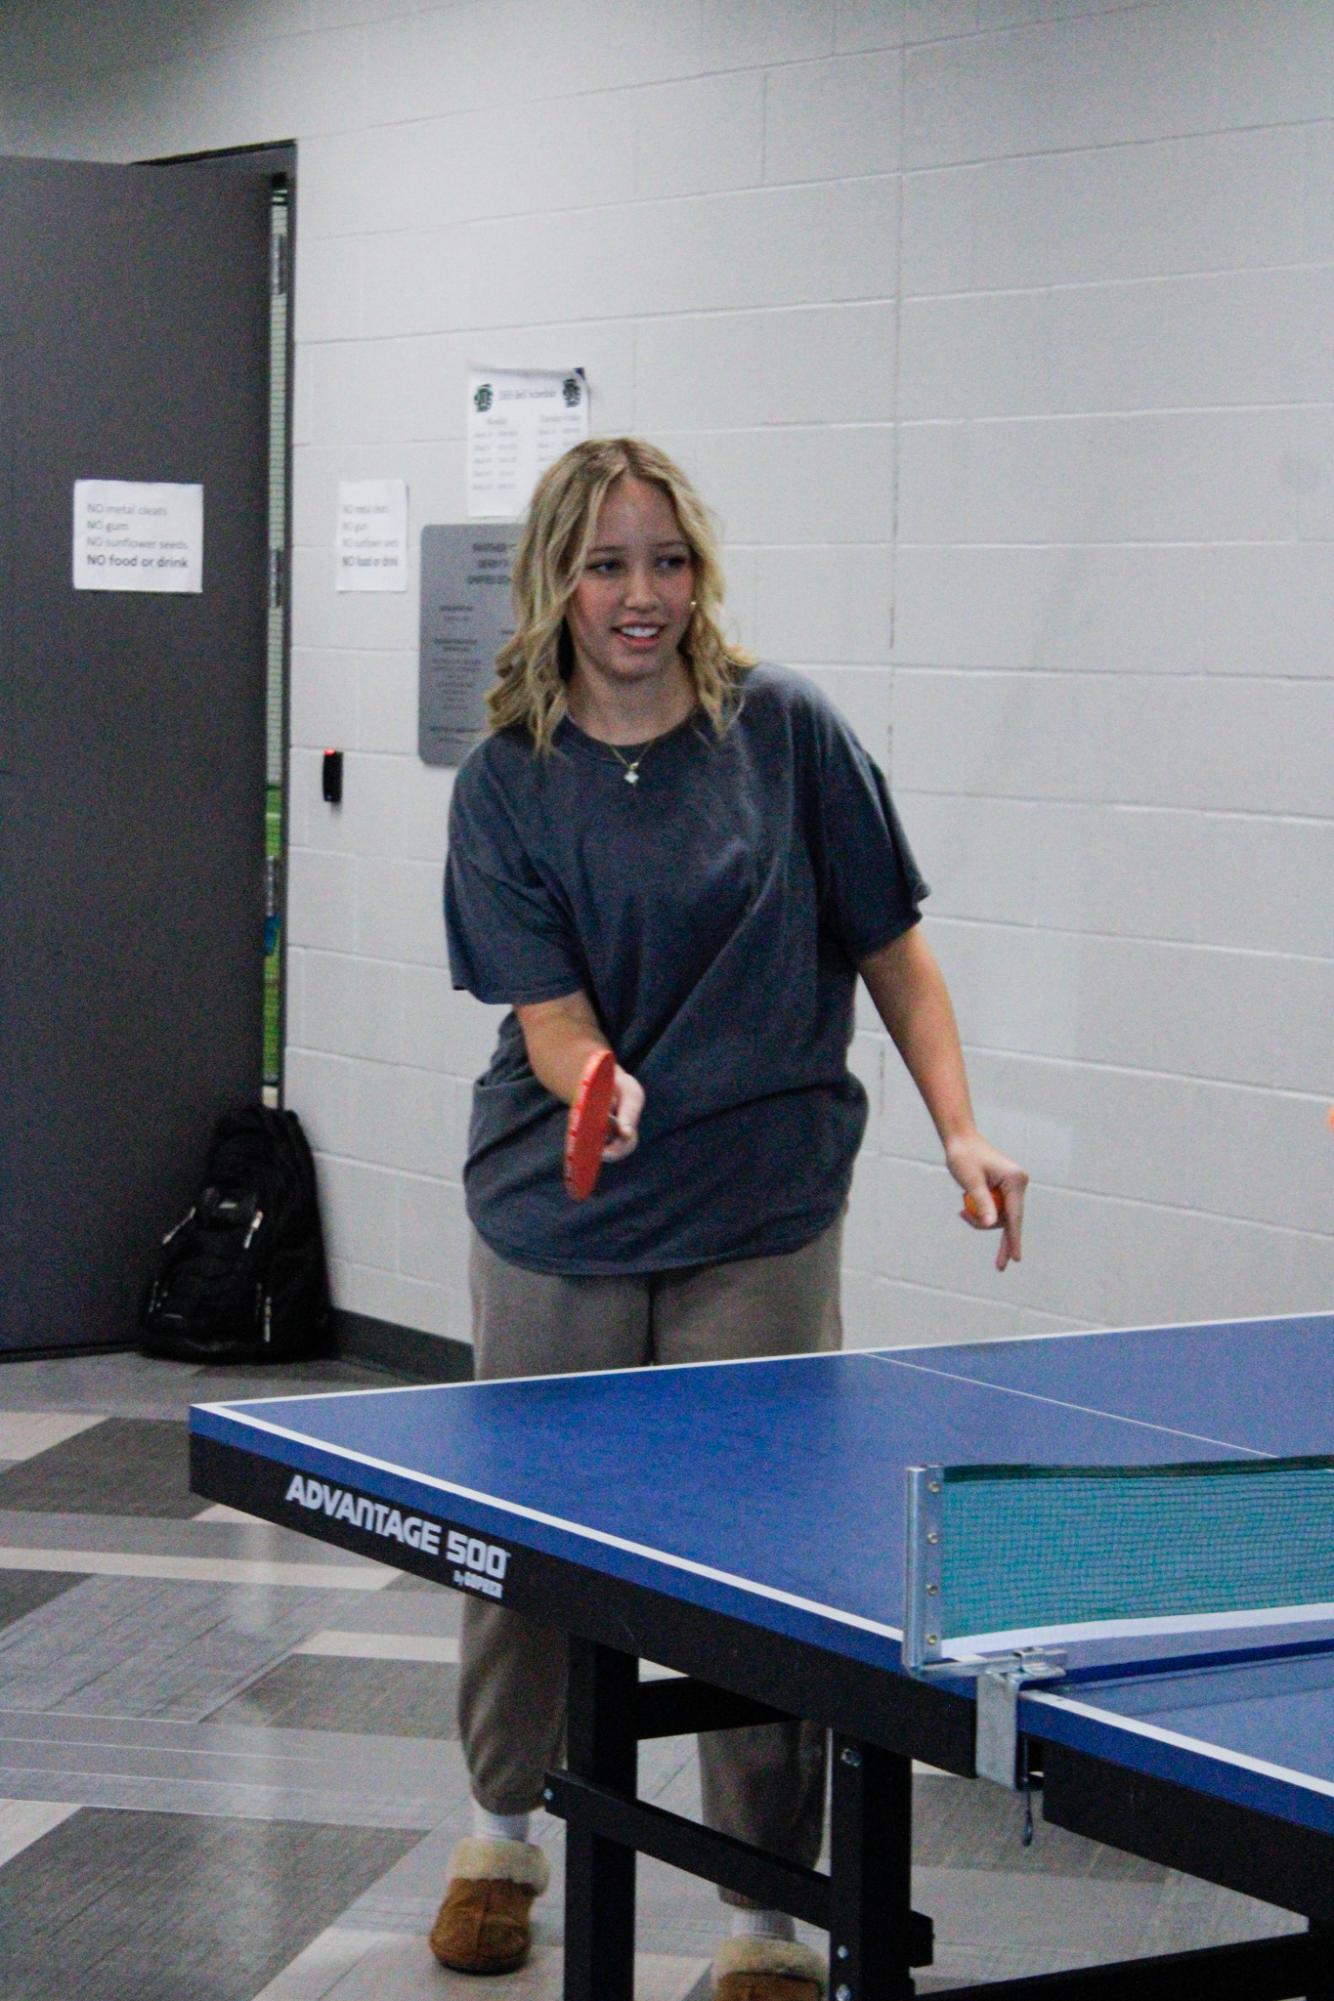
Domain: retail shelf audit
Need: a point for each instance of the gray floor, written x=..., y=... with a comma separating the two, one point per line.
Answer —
x=228, y=1769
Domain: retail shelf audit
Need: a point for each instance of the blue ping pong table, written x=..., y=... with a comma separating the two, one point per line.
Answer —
x=742, y=1524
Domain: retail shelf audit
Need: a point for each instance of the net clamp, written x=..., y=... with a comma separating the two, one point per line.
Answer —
x=1000, y=1681
x=999, y=1686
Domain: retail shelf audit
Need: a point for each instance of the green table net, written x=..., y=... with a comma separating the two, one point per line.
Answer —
x=1025, y=1546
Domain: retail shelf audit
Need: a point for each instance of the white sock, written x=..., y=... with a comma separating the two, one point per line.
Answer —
x=761, y=1924
x=498, y=1826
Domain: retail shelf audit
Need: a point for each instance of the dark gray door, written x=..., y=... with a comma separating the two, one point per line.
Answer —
x=133, y=346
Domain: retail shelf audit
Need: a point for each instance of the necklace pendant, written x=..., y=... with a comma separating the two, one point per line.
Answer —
x=632, y=778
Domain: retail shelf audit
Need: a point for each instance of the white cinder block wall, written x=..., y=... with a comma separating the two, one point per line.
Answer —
x=1001, y=335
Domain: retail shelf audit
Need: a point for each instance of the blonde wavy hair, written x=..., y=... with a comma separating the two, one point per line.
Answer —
x=533, y=668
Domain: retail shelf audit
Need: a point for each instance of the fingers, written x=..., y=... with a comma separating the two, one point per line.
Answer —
x=627, y=1106
x=1010, y=1249
x=999, y=1205
x=983, y=1207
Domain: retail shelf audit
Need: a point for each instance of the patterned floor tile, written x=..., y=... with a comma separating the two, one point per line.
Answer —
x=239, y=1571
x=123, y=1466
x=23, y=1434
x=167, y=1907
x=442, y=1648
x=345, y=1965
x=23, y=1591
x=393, y=1698
x=24, y=1821
x=127, y=1384
x=959, y=1825
x=433, y=1614
x=307, y=1775
x=148, y=1535
x=120, y=1646
x=324, y=1967
x=292, y=1379
x=1043, y=1929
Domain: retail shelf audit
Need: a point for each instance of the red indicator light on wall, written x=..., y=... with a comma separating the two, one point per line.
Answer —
x=333, y=777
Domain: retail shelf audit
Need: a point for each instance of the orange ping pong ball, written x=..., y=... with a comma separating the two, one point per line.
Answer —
x=974, y=1207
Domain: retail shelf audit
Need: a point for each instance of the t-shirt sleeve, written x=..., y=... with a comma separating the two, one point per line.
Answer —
x=509, y=938
x=871, y=886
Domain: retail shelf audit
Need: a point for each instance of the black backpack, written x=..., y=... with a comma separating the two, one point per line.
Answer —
x=242, y=1277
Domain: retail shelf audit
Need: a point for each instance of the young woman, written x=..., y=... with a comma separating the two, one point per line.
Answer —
x=669, y=851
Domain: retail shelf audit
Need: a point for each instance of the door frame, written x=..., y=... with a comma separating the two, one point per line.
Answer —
x=279, y=157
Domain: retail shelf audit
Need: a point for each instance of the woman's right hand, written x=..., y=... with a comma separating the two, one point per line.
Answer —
x=560, y=1036
x=627, y=1106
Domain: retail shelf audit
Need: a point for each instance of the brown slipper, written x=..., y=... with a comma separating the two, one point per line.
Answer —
x=766, y=1969
x=483, y=1926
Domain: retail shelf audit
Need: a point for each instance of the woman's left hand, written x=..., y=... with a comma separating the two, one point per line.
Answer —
x=993, y=1192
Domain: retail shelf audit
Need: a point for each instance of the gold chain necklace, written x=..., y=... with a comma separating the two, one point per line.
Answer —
x=630, y=765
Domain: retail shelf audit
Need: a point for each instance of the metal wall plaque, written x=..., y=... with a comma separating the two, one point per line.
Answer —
x=465, y=619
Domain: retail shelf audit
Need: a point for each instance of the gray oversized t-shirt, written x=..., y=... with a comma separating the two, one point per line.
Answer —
x=714, y=914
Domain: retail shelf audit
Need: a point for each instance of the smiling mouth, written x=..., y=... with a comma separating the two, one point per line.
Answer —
x=639, y=631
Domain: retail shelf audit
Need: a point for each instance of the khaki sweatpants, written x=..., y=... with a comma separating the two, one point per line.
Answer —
x=765, y=1784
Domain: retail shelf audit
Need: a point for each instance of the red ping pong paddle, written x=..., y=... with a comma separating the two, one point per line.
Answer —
x=586, y=1128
